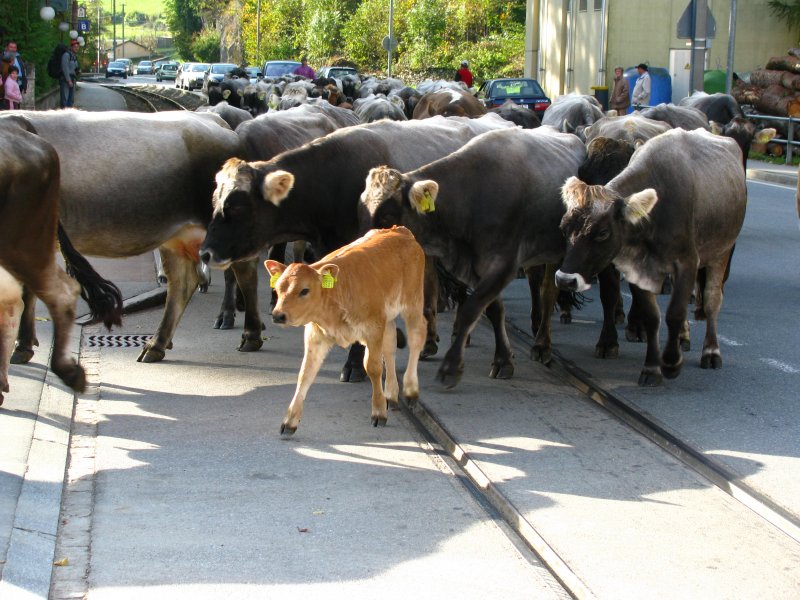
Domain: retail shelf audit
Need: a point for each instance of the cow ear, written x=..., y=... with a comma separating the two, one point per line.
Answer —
x=277, y=186
x=329, y=274
x=573, y=193
x=762, y=136
x=225, y=94
x=275, y=270
x=382, y=182
x=639, y=205
x=422, y=196
x=716, y=128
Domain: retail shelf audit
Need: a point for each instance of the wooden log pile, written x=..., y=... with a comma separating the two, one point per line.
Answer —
x=775, y=89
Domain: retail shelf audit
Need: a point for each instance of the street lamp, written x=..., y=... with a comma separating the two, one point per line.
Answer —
x=47, y=13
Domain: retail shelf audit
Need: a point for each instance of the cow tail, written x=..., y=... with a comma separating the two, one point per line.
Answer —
x=103, y=297
x=568, y=300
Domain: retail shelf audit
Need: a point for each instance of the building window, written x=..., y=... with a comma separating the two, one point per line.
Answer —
x=582, y=5
x=598, y=4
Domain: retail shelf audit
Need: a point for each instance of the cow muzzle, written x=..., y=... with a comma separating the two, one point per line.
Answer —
x=573, y=282
x=279, y=318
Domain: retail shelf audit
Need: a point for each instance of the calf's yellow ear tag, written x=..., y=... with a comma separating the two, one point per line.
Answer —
x=273, y=279
x=427, y=203
x=328, y=280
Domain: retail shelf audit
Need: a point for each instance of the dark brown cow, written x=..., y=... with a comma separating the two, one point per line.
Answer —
x=448, y=103
x=29, y=208
x=676, y=208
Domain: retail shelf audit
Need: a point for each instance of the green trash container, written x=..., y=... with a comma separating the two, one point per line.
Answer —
x=601, y=93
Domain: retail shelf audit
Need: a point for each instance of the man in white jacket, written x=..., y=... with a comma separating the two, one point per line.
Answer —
x=641, y=91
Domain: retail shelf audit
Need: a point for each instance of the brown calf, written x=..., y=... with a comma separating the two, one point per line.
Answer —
x=354, y=295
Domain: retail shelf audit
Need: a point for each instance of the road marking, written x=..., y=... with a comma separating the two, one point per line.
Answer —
x=728, y=341
x=781, y=366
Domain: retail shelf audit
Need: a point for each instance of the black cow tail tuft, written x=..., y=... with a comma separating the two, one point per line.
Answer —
x=103, y=297
x=567, y=300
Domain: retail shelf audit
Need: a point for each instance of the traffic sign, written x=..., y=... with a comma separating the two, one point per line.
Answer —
x=389, y=43
x=83, y=25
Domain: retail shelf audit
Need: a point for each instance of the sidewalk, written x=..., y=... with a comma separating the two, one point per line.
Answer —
x=772, y=173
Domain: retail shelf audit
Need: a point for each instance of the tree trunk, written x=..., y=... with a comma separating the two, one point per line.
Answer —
x=747, y=94
x=784, y=63
x=777, y=100
x=766, y=78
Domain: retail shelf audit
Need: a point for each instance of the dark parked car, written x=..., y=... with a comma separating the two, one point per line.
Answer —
x=276, y=68
x=215, y=74
x=526, y=92
x=116, y=69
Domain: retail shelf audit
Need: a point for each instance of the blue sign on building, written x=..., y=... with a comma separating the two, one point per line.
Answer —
x=83, y=25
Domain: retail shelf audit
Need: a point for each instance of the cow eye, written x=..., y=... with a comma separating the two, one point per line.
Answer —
x=602, y=235
x=304, y=292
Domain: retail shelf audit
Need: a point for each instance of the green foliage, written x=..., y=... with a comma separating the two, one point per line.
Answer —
x=363, y=33
x=205, y=46
x=788, y=11
x=184, y=22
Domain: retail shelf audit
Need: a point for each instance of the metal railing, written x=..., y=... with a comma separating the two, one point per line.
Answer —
x=789, y=141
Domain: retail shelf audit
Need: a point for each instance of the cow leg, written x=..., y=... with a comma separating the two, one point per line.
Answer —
x=543, y=344
x=373, y=363
x=535, y=276
x=416, y=334
x=391, y=387
x=246, y=272
x=182, y=282
x=11, y=307
x=26, y=338
x=608, y=281
x=469, y=311
x=712, y=302
x=502, y=365
x=227, y=312
x=635, y=329
x=353, y=369
x=677, y=309
x=276, y=252
x=650, y=317
x=431, y=291
x=316, y=348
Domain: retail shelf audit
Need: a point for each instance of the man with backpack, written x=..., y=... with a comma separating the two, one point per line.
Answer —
x=68, y=76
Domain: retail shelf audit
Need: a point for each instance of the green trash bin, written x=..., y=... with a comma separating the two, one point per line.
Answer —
x=601, y=93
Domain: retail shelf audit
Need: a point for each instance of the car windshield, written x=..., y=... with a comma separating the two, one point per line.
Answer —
x=252, y=71
x=341, y=72
x=199, y=67
x=169, y=67
x=517, y=88
x=145, y=63
x=116, y=64
x=284, y=68
x=222, y=68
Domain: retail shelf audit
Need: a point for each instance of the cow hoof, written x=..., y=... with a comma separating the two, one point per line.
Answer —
x=634, y=335
x=202, y=288
x=250, y=344
x=21, y=357
x=601, y=351
x=686, y=345
x=565, y=318
x=648, y=379
x=711, y=361
x=379, y=421
x=74, y=377
x=430, y=349
x=287, y=429
x=411, y=399
x=449, y=380
x=504, y=371
x=228, y=321
x=352, y=374
x=151, y=355
x=672, y=371
x=619, y=317
x=1, y=399
x=541, y=354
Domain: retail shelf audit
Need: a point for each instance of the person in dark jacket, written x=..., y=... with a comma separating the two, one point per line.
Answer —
x=68, y=79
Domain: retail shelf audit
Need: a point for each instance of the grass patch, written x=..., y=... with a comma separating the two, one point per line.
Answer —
x=775, y=160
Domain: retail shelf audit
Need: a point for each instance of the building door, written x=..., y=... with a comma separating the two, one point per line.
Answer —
x=680, y=70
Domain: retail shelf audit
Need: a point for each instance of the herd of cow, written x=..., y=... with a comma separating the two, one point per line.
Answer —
x=652, y=196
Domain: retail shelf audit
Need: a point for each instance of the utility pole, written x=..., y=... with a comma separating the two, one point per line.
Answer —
x=114, y=23
x=699, y=45
x=258, y=32
x=123, y=29
x=99, y=36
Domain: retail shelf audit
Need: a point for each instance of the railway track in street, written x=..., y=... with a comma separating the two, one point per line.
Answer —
x=152, y=98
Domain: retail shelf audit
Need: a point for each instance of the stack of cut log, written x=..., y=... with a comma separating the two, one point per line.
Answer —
x=774, y=90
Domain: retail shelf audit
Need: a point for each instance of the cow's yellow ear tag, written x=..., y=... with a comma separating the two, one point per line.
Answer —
x=427, y=203
x=328, y=280
x=273, y=279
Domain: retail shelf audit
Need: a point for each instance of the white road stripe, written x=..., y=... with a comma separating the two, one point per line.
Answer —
x=781, y=366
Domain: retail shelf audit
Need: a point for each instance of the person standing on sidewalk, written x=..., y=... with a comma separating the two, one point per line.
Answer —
x=620, y=93
x=12, y=58
x=68, y=79
x=13, y=95
x=464, y=74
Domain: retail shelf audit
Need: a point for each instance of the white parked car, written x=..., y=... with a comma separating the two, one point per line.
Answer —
x=191, y=76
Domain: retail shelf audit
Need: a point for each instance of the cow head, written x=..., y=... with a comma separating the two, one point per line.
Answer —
x=245, y=204
x=596, y=224
x=301, y=289
x=386, y=193
x=744, y=133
